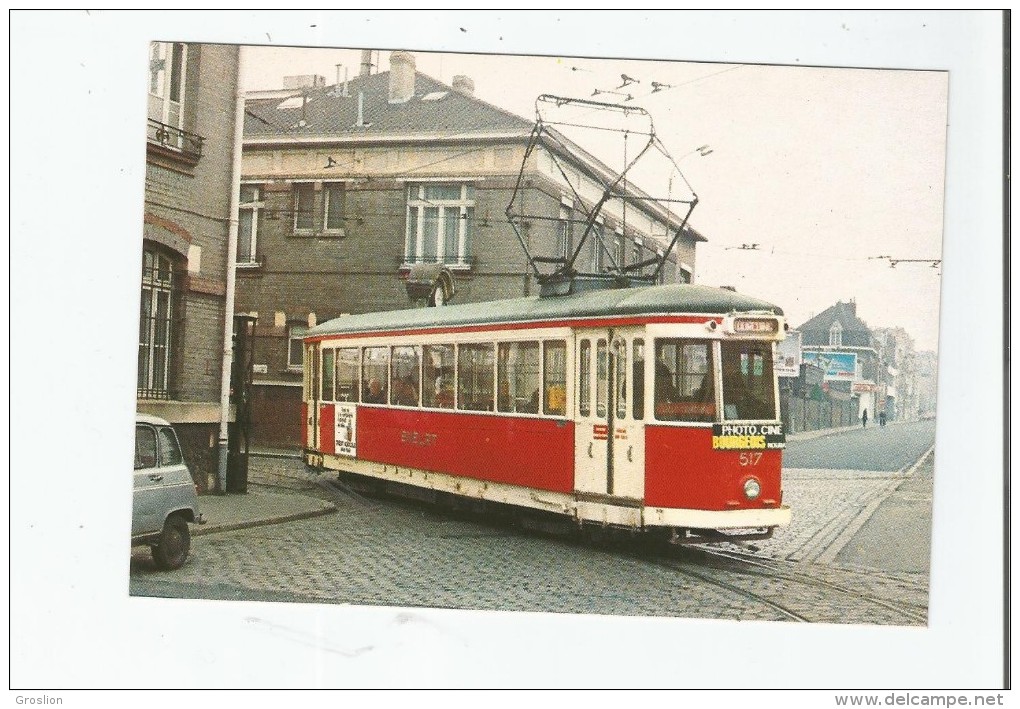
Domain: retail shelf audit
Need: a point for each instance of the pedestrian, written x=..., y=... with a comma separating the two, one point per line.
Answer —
x=375, y=393
x=864, y=418
x=881, y=418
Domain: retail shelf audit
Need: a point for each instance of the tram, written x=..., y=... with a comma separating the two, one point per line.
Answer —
x=607, y=399
x=648, y=408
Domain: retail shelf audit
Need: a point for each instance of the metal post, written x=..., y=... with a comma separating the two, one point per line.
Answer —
x=228, y=305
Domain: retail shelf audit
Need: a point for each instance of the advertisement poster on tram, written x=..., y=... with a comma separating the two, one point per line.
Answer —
x=346, y=425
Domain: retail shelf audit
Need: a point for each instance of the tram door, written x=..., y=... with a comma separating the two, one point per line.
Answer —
x=312, y=397
x=609, y=440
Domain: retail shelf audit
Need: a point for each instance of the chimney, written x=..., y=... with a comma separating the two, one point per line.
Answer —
x=366, y=62
x=401, y=77
x=464, y=84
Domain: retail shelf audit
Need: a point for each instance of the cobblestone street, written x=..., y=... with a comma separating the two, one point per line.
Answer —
x=397, y=553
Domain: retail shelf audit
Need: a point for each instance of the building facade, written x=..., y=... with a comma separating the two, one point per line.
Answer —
x=843, y=347
x=927, y=383
x=346, y=187
x=190, y=147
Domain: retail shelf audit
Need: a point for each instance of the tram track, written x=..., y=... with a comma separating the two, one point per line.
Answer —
x=778, y=589
x=757, y=598
x=796, y=595
x=905, y=586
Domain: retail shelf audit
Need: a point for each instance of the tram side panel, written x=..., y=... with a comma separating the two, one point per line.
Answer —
x=528, y=452
x=327, y=429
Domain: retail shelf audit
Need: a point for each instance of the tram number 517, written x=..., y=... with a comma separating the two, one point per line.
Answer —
x=750, y=458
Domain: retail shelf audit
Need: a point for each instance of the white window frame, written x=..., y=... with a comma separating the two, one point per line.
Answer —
x=836, y=334
x=254, y=206
x=295, y=188
x=417, y=203
x=598, y=256
x=296, y=331
x=564, y=230
x=638, y=249
x=326, y=188
x=621, y=248
x=161, y=58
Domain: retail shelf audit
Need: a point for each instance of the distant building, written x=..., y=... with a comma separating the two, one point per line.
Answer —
x=842, y=344
x=345, y=187
x=898, y=376
x=192, y=92
x=927, y=365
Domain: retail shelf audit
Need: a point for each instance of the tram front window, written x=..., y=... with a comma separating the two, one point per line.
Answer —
x=748, y=381
x=684, y=380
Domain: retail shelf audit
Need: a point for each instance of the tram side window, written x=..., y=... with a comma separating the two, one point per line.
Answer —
x=347, y=379
x=555, y=373
x=620, y=378
x=639, y=379
x=584, y=379
x=748, y=382
x=437, y=361
x=517, y=376
x=327, y=375
x=602, y=380
x=405, y=376
x=375, y=365
x=684, y=389
x=474, y=377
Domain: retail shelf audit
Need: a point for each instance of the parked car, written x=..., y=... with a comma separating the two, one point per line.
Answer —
x=165, y=497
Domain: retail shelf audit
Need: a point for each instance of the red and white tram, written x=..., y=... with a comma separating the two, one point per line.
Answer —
x=650, y=408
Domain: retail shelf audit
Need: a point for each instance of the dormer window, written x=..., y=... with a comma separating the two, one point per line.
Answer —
x=836, y=335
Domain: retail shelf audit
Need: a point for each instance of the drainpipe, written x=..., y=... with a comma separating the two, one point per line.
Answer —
x=228, y=305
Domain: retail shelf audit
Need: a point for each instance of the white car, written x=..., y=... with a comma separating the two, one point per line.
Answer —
x=165, y=496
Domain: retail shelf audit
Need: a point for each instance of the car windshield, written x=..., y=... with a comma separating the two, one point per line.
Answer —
x=748, y=381
x=169, y=451
x=145, y=447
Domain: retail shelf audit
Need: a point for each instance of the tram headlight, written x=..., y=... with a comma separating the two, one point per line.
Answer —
x=752, y=488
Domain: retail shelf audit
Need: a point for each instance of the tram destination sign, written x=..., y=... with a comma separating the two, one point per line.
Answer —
x=748, y=436
x=755, y=326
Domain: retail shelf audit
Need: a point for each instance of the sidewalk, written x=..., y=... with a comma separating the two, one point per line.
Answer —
x=258, y=506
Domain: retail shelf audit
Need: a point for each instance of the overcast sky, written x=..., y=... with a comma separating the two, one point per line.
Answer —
x=826, y=170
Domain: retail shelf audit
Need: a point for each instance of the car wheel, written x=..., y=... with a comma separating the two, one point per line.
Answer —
x=174, y=544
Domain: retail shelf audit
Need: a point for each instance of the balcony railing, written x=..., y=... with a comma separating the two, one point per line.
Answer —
x=180, y=141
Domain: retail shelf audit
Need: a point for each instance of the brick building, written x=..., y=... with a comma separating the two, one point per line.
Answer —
x=189, y=154
x=345, y=187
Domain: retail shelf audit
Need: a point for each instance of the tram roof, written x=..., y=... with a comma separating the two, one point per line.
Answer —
x=677, y=299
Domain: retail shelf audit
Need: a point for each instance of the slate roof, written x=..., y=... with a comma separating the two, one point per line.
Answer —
x=326, y=112
x=330, y=116
x=856, y=333
x=650, y=300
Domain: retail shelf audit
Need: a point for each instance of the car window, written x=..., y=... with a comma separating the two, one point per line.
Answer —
x=145, y=447
x=169, y=450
